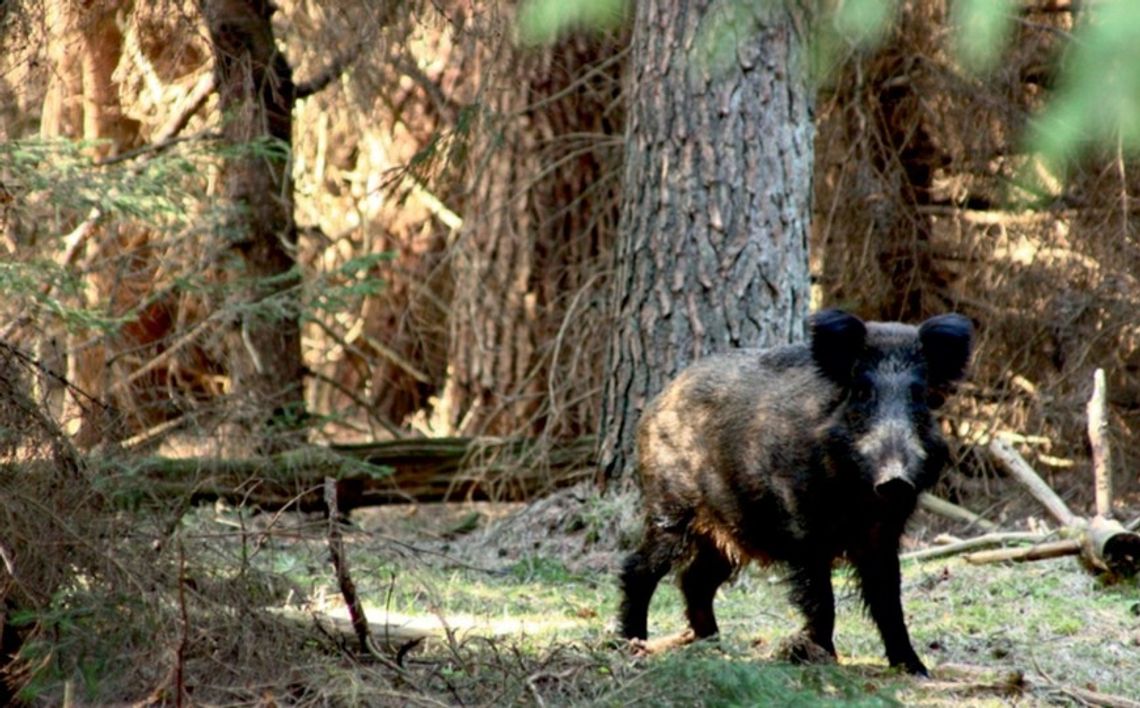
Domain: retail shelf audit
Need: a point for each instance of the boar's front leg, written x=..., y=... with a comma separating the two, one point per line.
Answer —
x=812, y=593
x=880, y=580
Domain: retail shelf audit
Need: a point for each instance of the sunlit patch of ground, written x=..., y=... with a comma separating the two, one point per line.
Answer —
x=480, y=585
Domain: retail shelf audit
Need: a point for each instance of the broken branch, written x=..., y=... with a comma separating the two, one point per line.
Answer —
x=969, y=544
x=1052, y=549
x=1101, y=452
x=1012, y=460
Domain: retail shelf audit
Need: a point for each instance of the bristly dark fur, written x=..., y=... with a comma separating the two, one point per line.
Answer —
x=800, y=454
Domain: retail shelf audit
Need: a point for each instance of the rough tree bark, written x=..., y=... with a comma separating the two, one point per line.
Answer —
x=715, y=213
x=257, y=93
x=541, y=211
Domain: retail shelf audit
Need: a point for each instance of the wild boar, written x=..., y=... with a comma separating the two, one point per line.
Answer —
x=800, y=454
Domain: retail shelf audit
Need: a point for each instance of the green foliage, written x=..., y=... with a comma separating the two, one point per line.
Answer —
x=544, y=21
x=1098, y=99
x=59, y=190
x=512, y=619
x=981, y=31
x=863, y=22
x=1097, y=104
x=343, y=289
x=77, y=634
x=58, y=179
x=57, y=186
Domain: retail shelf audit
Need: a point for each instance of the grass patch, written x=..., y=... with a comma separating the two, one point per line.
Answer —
x=535, y=627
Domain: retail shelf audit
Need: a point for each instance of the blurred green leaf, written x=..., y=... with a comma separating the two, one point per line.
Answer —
x=864, y=21
x=544, y=21
x=981, y=31
x=1097, y=103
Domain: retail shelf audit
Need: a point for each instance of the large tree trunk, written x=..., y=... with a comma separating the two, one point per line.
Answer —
x=525, y=347
x=716, y=204
x=255, y=84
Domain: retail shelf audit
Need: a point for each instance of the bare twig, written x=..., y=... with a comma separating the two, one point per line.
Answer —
x=340, y=563
x=1096, y=698
x=193, y=102
x=9, y=564
x=167, y=135
x=387, y=425
x=1083, y=695
x=989, y=539
x=153, y=432
x=183, y=631
x=169, y=352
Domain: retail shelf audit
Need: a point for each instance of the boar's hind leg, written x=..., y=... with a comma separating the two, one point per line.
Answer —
x=812, y=593
x=879, y=578
x=641, y=573
x=707, y=570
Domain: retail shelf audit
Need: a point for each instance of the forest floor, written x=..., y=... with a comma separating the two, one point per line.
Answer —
x=517, y=605
x=500, y=604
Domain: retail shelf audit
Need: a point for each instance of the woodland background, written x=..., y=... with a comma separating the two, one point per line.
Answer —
x=454, y=195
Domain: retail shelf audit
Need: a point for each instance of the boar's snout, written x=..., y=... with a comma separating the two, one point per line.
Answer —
x=892, y=481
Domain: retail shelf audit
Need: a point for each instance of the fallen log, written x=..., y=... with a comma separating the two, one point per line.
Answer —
x=368, y=474
x=390, y=472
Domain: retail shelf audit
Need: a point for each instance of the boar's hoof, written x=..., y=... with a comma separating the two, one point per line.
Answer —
x=912, y=666
x=800, y=649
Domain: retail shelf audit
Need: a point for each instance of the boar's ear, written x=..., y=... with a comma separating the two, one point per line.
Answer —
x=836, y=342
x=946, y=341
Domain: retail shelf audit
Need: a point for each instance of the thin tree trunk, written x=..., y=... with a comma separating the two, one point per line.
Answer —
x=255, y=85
x=715, y=212
x=82, y=103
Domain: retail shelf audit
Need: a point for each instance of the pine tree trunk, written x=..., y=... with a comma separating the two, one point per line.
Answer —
x=715, y=212
x=255, y=85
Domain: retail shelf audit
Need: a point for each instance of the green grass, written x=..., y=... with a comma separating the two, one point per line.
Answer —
x=1048, y=618
x=538, y=626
